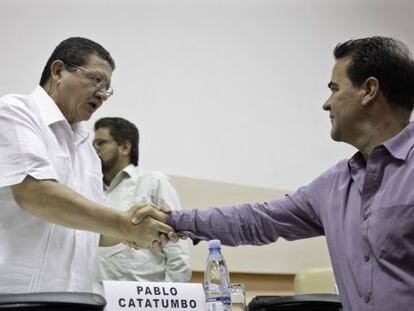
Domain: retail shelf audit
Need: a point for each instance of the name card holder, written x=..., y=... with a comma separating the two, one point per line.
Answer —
x=131, y=295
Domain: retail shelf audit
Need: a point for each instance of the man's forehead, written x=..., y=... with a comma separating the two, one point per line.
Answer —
x=102, y=132
x=340, y=68
x=341, y=64
x=95, y=62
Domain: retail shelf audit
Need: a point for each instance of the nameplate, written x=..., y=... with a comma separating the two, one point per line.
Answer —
x=130, y=295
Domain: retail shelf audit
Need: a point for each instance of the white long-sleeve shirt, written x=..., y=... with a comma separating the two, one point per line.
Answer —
x=120, y=262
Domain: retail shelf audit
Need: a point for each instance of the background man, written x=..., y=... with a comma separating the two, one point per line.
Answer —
x=117, y=144
x=364, y=205
x=51, y=177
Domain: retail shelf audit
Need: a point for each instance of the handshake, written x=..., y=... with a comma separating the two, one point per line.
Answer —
x=144, y=226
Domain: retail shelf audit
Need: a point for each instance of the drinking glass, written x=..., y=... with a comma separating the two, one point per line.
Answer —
x=238, y=297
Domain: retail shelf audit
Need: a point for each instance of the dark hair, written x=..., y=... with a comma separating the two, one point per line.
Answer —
x=75, y=51
x=121, y=131
x=386, y=59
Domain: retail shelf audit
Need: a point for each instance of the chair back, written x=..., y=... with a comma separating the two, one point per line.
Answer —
x=314, y=281
x=52, y=301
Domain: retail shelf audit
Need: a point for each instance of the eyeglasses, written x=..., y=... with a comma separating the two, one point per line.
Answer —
x=99, y=143
x=97, y=79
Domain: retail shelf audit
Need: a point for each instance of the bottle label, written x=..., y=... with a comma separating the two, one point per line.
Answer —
x=215, y=306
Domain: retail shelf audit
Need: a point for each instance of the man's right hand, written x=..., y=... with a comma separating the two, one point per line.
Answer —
x=145, y=224
x=144, y=210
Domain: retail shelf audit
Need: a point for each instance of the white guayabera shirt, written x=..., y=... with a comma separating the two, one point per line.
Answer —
x=172, y=264
x=36, y=140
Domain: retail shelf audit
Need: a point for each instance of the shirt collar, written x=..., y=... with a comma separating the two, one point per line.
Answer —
x=128, y=172
x=48, y=108
x=398, y=146
x=81, y=132
x=51, y=113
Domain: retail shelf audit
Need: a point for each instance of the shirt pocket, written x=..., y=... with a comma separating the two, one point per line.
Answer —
x=393, y=229
x=94, y=187
x=61, y=164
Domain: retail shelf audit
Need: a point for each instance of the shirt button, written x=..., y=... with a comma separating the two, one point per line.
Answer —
x=367, y=257
x=367, y=298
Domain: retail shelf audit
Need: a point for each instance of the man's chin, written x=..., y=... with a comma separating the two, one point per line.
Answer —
x=335, y=136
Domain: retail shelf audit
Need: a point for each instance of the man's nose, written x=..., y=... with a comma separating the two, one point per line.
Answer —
x=101, y=94
x=326, y=105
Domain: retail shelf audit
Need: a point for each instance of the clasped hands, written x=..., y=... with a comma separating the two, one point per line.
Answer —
x=147, y=227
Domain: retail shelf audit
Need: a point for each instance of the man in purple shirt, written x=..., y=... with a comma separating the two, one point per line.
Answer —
x=364, y=205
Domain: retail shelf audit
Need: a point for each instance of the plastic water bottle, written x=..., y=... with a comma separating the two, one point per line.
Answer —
x=216, y=279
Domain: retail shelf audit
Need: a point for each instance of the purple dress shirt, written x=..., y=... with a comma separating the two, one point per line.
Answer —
x=364, y=208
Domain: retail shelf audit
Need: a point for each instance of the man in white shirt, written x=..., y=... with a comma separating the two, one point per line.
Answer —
x=117, y=144
x=51, y=181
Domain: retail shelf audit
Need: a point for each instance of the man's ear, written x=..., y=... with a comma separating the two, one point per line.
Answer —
x=56, y=69
x=126, y=147
x=370, y=90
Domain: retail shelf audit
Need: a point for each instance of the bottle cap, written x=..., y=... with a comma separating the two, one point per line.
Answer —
x=214, y=244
